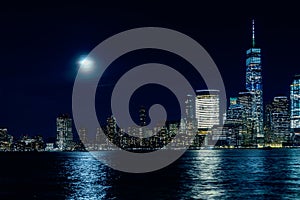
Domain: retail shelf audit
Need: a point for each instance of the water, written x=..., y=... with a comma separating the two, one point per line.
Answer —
x=204, y=174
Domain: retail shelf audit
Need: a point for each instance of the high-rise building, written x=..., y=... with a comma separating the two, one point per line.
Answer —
x=207, y=108
x=254, y=84
x=234, y=112
x=190, y=107
x=64, y=134
x=267, y=122
x=6, y=140
x=190, y=113
x=246, y=101
x=279, y=119
x=295, y=103
x=188, y=125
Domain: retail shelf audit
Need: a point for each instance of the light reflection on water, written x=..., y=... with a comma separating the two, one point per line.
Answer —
x=85, y=177
x=214, y=174
x=205, y=174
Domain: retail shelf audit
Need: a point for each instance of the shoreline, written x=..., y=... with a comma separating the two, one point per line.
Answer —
x=145, y=151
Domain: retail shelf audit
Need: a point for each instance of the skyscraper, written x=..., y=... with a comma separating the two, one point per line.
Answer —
x=64, y=134
x=246, y=100
x=234, y=112
x=254, y=84
x=207, y=108
x=278, y=119
x=188, y=125
x=190, y=107
x=295, y=103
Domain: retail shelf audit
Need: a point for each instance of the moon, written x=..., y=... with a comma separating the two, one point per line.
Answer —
x=86, y=65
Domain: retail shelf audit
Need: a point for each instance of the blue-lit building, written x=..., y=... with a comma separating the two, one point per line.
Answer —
x=254, y=84
x=295, y=104
x=234, y=112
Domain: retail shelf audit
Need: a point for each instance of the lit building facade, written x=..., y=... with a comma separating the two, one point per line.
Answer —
x=207, y=108
x=190, y=107
x=64, y=134
x=278, y=117
x=188, y=125
x=246, y=101
x=6, y=140
x=234, y=112
x=295, y=103
x=190, y=113
x=254, y=84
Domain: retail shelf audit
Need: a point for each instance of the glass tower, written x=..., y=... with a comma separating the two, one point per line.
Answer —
x=234, y=113
x=295, y=103
x=254, y=84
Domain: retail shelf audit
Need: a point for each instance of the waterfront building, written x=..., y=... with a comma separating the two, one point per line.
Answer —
x=280, y=119
x=295, y=108
x=295, y=103
x=246, y=101
x=27, y=143
x=254, y=84
x=64, y=134
x=207, y=108
x=5, y=140
x=49, y=147
x=234, y=112
x=190, y=107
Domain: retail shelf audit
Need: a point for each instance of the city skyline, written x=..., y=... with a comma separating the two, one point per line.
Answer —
x=65, y=134
x=32, y=90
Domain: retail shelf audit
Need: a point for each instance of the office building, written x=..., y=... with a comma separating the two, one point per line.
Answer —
x=254, y=85
x=64, y=134
x=278, y=120
x=234, y=112
x=207, y=108
x=295, y=103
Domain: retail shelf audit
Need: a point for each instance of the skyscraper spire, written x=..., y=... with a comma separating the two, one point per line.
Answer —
x=253, y=33
x=254, y=85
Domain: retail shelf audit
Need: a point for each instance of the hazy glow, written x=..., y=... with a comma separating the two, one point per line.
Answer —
x=86, y=65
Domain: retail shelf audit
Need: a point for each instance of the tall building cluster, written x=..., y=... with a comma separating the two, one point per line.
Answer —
x=246, y=123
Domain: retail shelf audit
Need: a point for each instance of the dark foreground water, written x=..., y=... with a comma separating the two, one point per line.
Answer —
x=204, y=174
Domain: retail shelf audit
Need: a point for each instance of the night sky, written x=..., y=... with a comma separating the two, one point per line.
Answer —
x=41, y=46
